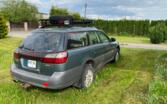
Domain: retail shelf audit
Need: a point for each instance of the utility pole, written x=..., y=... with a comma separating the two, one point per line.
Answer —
x=85, y=9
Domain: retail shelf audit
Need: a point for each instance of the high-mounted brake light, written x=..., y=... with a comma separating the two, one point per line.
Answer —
x=58, y=58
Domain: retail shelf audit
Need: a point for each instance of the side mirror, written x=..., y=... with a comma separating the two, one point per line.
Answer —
x=112, y=39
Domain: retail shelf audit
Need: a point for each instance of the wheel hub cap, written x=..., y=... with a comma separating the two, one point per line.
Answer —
x=117, y=57
x=89, y=78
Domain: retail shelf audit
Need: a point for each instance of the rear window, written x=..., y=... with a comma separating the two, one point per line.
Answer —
x=42, y=42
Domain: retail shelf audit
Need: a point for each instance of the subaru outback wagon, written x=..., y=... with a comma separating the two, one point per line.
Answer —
x=56, y=58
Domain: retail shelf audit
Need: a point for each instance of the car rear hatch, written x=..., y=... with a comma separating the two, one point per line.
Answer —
x=33, y=52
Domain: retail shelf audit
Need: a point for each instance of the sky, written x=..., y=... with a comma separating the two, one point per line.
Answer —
x=110, y=9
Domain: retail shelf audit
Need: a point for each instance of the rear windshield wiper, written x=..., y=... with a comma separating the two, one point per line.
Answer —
x=30, y=49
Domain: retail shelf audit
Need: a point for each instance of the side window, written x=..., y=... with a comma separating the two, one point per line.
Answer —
x=103, y=37
x=76, y=40
x=93, y=39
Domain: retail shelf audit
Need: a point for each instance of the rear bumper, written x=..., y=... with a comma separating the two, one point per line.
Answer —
x=58, y=80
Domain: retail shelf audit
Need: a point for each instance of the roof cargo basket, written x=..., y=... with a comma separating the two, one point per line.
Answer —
x=63, y=21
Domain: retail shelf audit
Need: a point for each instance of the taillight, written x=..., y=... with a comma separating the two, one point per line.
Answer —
x=16, y=55
x=57, y=58
x=45, y=84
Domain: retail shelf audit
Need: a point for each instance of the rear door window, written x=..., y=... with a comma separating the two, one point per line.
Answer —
x=93, y=39
x=77, y=40
x=42, y=42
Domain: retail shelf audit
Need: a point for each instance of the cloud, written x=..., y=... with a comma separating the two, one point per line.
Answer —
x=110, y=9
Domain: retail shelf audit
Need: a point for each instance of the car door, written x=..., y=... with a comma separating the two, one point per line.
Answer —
x=96, y=49
x=108, y=47
x=78, y=50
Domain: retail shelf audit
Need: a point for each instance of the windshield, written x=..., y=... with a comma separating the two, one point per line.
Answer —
x=42, y=42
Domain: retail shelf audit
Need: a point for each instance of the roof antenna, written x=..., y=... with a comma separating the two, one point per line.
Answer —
x=85, y=9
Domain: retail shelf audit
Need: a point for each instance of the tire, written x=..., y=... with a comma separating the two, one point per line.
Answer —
x=86, y=78
x=117, y=56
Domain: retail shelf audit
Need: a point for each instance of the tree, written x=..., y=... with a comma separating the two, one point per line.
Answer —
x=157, y=33
x=58, y=11
x=3, y=27
x=19, y=11
x=63, y=12
x=76, y=16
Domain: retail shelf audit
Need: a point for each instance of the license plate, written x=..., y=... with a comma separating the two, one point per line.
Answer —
x=31, y=63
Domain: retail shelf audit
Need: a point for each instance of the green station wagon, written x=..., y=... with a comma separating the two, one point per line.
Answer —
x=58, y=57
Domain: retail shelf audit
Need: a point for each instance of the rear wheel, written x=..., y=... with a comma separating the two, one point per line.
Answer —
x=87, y=77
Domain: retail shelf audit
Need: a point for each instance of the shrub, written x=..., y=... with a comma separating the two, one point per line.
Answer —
x=157, y=93
x=3, y=28
x=158, y=33
x=165, y=34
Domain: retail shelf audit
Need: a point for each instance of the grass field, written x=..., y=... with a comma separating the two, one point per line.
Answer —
x=125, y=82
x=157, y=93
x=130, y=39
x=134, y=39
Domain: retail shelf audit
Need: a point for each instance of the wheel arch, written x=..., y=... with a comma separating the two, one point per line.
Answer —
x=89, y=61
x=118, y=47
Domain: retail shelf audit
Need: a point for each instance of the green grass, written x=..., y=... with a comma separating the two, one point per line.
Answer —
x=125, y=82
x=158, y=87
x=132, y=39
x=7, y=46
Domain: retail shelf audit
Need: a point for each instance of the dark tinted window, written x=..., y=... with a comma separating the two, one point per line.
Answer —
x=93, y=39
x=42, y=42
x=76, y=40
x=103, y=37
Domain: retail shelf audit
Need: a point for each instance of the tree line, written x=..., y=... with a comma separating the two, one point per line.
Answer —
x=18, y=11
x=127, y=27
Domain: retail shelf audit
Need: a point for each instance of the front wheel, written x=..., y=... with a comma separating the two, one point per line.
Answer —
x=117, y=56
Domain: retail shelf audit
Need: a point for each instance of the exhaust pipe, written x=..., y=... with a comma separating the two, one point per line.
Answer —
x=26, y=85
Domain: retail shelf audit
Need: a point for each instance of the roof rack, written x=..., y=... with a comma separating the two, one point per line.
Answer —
x=63, y=21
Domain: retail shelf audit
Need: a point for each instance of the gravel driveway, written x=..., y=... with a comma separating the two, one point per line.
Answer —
x=21, y=34
x=144, y=46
